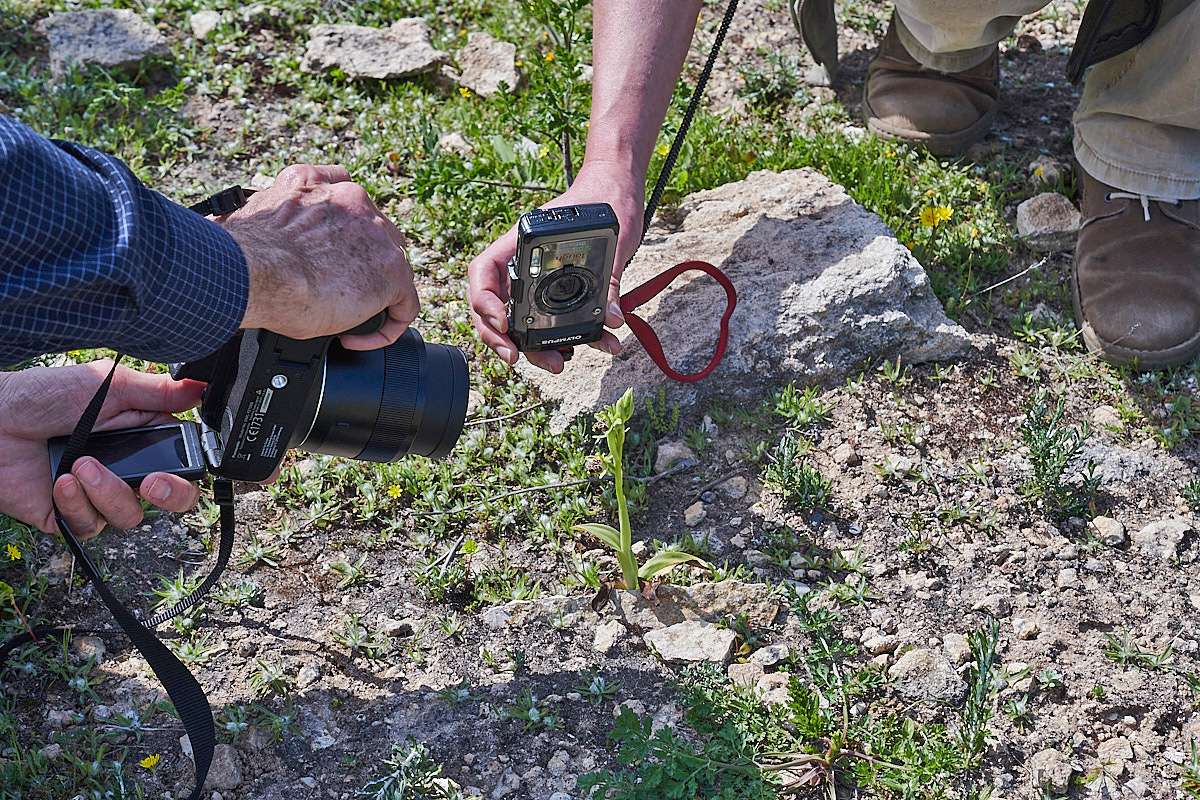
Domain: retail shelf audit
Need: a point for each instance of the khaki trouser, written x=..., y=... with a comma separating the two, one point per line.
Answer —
x=1138, y=123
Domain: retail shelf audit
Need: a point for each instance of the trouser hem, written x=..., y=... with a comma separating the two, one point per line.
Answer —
x=1128, y=178
x=956, y=61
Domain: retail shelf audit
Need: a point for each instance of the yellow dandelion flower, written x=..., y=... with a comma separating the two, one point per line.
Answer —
x=13, y=552
x=1039, y=171
x=932, y=216
x=464, y=91
x=518, y=63
x=662, y=149
x=150, y=761
x=394, y=491
x=549, y=56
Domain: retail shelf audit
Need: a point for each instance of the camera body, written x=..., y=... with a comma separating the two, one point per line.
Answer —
x=268, y=393
x=559, y=276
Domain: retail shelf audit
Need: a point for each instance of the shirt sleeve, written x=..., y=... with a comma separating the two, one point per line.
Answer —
x=89, y=257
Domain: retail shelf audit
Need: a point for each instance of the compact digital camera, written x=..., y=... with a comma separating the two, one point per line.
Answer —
x=267, y=393
x=559, y=276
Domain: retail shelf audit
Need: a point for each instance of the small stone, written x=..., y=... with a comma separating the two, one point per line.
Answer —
x=309, y=782
x=1067, y=578
x=998, y=605
x=1109, y=531
x=204, y=22
x=399, y=628
x=1161, y=539
x=747, y=674
x=558, y=763
x=51, y=751
x=1107, y=417
x=958, y=650
x=735, y=488
x=927, y=675
x=487, y=65
x=772, y=654
x=457, y=144
x=694, y=514
x=1026, y=628
x=89, y=647
x=106, y=37
x=1051, y=771
x=607, y=635
x=689, y=642
x=225, y=772
x=399, y=51
x=773, y=688
x=846, y=455
x=670, y=454
x=881, y=644
x=509, y=782
x=58, y=568
x=307, y=676
x=1048, y=222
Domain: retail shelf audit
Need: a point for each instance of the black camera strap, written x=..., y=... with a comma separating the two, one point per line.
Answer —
x=181, y=686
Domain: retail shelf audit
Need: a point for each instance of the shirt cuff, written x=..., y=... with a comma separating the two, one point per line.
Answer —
x=195, y=291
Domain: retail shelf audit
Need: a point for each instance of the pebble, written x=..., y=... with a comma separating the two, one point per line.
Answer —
x=1026, y=628
x=1161, y=539
x=1067, y=578
x=204, y=22
x=735, y=488
x=694, y=514
x=307, y=676
x=956, y=647
x=998, y=605
x=746, y=674
x=772, y=654
x=692, y=641
x=846, y=455
x=607, y=635
x=1048, y=222
x=670, y=454
x=927, y=675
x=1109, y=531
x=1107, y=417
x=1050, y=770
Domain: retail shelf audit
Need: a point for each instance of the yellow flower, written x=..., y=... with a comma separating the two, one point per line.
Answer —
x=932, y=216
x=394, y=491
x=150, y=762
x=14, y=552
x=543, y=151
x=1039, y=171
x=549, y=56
x=662, y=149
x=518, y=63
x=464, y=91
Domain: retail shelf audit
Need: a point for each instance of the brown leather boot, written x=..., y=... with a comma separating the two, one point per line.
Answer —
x=1137, y=276
x=944, y=112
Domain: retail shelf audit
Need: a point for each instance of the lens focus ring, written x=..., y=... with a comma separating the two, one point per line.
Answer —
x=400, y=405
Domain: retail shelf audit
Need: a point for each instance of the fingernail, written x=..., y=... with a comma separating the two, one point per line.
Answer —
x=505, y=354
x=70, y=489
x=158, y=491
x=497, y=324
x=615, y=310
x=87, y=471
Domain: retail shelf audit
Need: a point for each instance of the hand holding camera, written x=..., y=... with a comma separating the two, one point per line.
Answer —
x=322, y=259
x=490, y=280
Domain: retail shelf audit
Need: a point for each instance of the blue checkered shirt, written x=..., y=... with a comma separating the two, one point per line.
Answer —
x=89, y=257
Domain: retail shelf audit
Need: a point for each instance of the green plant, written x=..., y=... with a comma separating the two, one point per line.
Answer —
x=258, y=552
x=615, y=418
x=1189, y=772
x=662, y=417
x=1124, y=650
x=409, y=774
x=597, y=689
x=1191, y=494
x=766, y=87
x=801, y=409
x=1052, y=447
x=268, y=678
x=530, y=712
x=350, y=574
x=800, y=483
x=972, y=735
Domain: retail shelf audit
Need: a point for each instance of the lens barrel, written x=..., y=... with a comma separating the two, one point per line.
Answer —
x=381, y=405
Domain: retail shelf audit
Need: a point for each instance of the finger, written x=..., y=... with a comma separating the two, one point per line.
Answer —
x=84, y=521
x=143, y=391
x=497, y=341
x=549, y=360
x=169, y=492
x=487, y=280
x=607, y=343
x=391, y=330
x=301, y=175
x=109, y=495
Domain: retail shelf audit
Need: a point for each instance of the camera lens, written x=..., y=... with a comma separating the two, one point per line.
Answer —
x=381, y=405
x=564, y=291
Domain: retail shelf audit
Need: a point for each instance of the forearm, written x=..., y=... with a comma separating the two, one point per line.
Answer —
x=638, y=51
x=89, y=257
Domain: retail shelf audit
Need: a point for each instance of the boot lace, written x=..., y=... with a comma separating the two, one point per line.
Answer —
x=1145, y=199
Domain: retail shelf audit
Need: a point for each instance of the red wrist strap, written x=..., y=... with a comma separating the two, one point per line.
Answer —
x=649, y=339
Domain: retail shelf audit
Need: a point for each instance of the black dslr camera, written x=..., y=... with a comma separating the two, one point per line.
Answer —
x=559, y=276
x=267, y=393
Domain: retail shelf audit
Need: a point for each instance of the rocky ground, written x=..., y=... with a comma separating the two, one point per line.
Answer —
x=365, y=610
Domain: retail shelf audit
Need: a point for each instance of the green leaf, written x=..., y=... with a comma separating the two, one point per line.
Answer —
x=605, y=533
x=664, y=560
x=7, y=594
x=629, y=568
x=624, y=406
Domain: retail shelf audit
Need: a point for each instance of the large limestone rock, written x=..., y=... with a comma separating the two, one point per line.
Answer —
x=822, y=284
x=691, y=642
x=399, y=51
x=106, y=37
x=487, y=64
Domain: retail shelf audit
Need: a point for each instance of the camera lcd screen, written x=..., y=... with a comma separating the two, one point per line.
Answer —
x=583, y=253
x=135, y=453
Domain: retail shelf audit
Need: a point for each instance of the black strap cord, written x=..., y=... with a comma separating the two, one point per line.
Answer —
x=182, y=687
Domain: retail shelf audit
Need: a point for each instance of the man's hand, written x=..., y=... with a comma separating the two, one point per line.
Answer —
x=322, y=259
x=597, y=182
x=37, y=404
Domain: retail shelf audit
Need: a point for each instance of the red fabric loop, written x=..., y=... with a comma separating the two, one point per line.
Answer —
x=649, y=339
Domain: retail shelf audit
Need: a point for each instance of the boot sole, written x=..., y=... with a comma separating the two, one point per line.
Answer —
x=1114, y=353
x=945, y=145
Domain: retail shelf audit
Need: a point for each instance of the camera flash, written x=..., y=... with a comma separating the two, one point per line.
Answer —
x=535, y=262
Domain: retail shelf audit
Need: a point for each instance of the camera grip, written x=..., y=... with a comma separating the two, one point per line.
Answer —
x=372, y=325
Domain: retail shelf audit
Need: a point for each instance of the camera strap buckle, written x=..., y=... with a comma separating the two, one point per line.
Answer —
x=645, y=334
